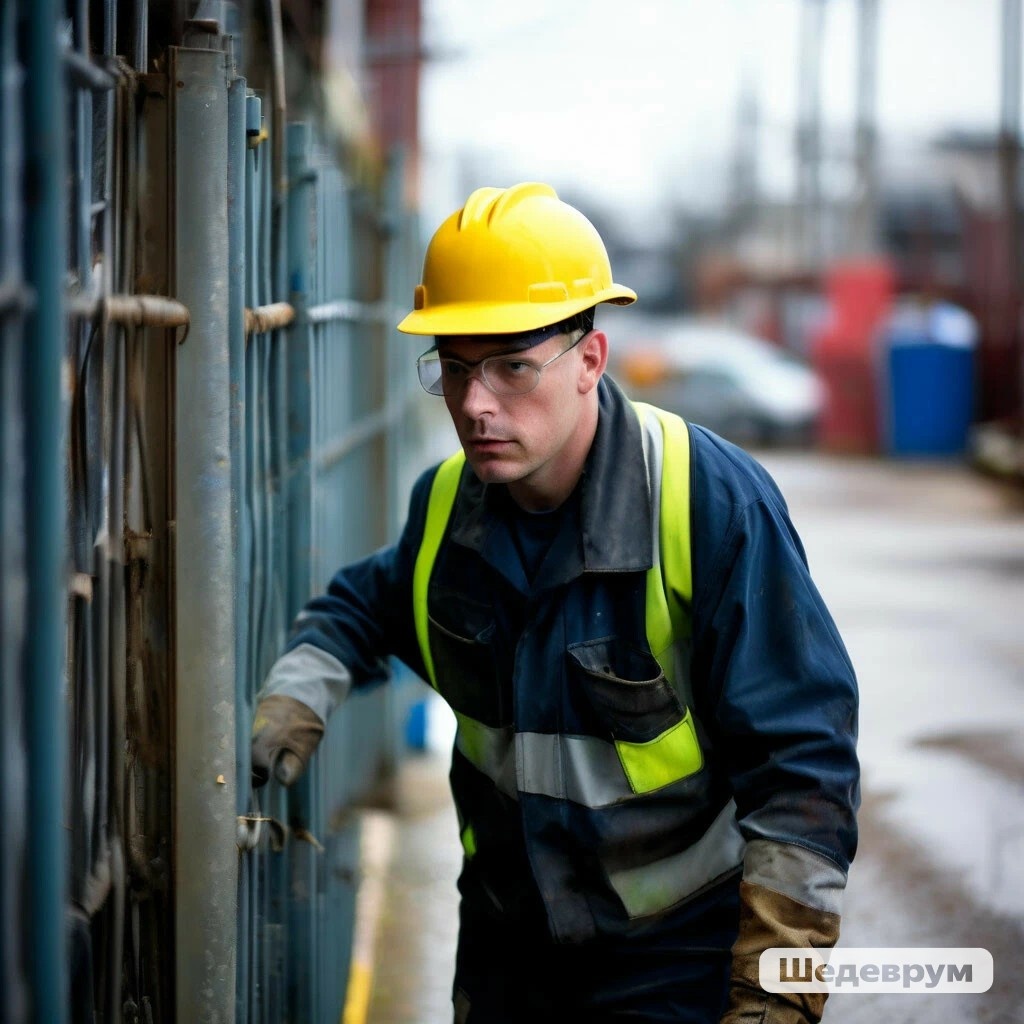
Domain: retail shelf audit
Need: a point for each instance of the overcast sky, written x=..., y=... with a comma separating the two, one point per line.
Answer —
x=615, y=99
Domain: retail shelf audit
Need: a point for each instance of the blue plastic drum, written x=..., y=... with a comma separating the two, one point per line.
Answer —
x=930, y=382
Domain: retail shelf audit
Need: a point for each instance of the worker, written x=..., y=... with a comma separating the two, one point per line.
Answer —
x=654, y=768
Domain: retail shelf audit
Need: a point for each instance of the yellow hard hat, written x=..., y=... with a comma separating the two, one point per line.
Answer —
x=511, y=260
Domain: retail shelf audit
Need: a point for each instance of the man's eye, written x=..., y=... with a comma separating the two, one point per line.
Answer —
x=515, y=366
x=451, y=368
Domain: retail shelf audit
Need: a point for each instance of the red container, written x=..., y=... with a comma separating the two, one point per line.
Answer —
x=859, y=297
x=842, y=353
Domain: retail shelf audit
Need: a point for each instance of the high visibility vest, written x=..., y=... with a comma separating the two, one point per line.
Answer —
x=670, y=578
x=639, y=768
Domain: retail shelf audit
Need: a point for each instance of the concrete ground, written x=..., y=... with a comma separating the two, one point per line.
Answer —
x=923, y=568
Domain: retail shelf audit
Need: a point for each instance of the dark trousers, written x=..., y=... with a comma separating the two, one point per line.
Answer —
x=509, y=970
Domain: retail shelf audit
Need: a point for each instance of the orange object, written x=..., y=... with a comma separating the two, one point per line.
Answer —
x=642, y=369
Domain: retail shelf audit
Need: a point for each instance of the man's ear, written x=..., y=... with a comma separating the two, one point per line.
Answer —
x=594, y=352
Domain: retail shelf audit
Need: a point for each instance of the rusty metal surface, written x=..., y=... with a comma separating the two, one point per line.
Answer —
x=268, y=318
x=100, y=354
x=131, y=310
x=121, y=518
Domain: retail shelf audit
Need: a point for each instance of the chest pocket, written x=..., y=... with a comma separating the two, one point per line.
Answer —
x=461, y=634
x=653, y=732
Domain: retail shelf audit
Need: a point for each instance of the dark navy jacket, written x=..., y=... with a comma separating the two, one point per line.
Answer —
x=770, y=687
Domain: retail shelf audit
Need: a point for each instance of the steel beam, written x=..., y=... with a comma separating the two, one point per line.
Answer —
x=45, y=525
x=206, y=866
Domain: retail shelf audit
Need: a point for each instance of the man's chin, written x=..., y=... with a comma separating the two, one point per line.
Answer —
x=492, y=470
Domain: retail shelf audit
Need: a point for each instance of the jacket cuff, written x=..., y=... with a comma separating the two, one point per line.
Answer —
x=794, y=871
x=310, y=675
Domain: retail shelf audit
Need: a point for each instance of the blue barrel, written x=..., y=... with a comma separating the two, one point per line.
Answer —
x=930, y=388
x=416, y=726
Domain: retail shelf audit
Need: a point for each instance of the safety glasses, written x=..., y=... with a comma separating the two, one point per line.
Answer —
x=506, y=373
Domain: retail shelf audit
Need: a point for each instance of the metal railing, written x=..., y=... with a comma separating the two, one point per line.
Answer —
x=17, y=300
x=324, y=417
x=215, y=300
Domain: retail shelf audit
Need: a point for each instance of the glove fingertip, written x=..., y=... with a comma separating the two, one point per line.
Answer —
x=288, y=768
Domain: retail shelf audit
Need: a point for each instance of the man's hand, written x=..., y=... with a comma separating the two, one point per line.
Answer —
x=767, y=919
x=285, y=732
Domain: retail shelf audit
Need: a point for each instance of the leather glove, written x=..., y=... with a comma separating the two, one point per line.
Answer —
x=767, y=919
x=285, y=732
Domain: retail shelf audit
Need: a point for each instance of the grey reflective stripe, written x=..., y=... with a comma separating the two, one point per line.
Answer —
x=584, y=769
x=311, y=675
x=490, y=750
x=800, y=874
x=651, y=888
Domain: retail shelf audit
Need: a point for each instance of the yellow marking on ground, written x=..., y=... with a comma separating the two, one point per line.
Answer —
x=375, y=842
x=357, y=999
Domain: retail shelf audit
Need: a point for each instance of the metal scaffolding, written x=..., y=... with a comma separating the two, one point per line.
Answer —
x=214, y=413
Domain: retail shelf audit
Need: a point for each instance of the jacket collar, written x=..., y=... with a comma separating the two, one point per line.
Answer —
x=615, y=503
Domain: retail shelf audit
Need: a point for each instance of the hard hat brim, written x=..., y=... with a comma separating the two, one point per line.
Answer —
x=467, y=318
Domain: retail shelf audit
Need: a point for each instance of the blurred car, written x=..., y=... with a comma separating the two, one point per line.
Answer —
x=736, y=384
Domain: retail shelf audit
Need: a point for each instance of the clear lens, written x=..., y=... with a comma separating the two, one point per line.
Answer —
x=504, y=375
x=509, y=374
x=428, y=366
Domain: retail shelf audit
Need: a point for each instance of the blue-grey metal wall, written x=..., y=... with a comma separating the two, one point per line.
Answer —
x=32, y=862
x=239, y=419
x=330, y=427
x=15, y=296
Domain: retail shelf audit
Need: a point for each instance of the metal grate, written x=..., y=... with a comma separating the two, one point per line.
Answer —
x=237, y=421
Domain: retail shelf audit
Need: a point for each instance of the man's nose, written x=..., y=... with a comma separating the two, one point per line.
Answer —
x=477, y=398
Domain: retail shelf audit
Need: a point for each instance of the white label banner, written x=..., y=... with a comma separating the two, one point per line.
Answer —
x=877, y=969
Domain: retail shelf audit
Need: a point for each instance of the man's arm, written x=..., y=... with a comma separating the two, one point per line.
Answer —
x=778, y=693
x=340, y=641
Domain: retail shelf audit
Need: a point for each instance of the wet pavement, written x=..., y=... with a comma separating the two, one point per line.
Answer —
x=415, y=953
x=922, y=566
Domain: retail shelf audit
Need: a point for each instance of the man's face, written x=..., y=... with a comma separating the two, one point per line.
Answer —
x=527, y=439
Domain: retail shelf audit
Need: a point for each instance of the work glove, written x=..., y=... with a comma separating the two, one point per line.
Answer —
x=768, y=919
x=285, y=732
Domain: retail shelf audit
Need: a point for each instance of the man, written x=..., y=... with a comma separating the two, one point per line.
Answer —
x=654, y=769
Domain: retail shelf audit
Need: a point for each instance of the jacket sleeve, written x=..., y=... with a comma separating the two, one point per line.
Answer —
x=778, y=695
x=342, y=638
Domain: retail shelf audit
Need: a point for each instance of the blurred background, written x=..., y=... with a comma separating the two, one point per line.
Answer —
x=831, y=177
x=213, y=213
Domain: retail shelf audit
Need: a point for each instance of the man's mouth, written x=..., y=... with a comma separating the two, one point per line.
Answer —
x=487, y=443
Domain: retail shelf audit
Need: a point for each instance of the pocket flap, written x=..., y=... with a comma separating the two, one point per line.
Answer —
x=667, y=758
x=627, y=689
